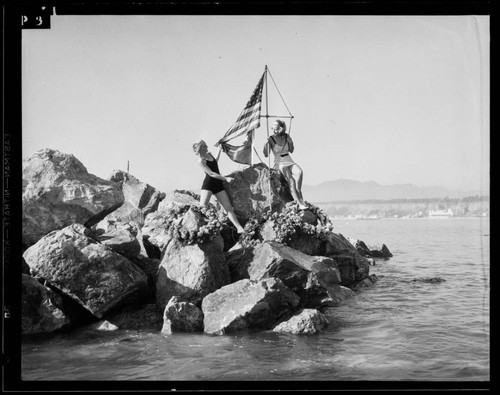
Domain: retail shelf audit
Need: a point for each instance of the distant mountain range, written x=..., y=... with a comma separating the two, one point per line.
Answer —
x=351, y=190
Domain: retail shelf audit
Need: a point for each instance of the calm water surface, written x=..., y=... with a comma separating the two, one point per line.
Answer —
x=401, y=328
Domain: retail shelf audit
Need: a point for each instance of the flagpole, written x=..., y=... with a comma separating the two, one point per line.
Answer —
x=268, y=145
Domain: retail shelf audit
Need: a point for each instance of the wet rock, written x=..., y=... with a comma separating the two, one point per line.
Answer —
x=182, y=316
x=306, y=322
x=104, y=326
x=247, y=304
x=39, y=311
x=191, y=271
x=58, y=191
x=147, y=317
x=367, y=282
x=89, y=272
x=316, y=280
x=372, y=251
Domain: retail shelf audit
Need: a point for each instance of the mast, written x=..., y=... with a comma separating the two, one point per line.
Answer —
x=267, y=123
x=268, y=147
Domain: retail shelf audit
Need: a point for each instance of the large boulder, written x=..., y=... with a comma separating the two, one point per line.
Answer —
x=40, y=313
x=89, y=272
x=191, y=271
x=247, y=304
x=182, y=316
x=306, y=322
x=58, y=191
x=140, y=200
x=254, y=190
x=316, y=280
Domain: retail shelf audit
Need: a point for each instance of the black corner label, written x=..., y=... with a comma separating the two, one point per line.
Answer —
x=36, y=18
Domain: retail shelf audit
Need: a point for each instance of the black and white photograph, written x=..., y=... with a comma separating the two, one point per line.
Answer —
x=283, y=198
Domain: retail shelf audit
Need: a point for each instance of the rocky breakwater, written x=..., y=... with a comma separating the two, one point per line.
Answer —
x=159, y=262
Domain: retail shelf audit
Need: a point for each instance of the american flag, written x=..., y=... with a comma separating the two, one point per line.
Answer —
x=249, y=119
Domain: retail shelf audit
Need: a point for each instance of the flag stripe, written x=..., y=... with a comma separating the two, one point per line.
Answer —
x=249, y=119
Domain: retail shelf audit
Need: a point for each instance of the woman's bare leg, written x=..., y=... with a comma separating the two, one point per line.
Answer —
x=205, y=197
x=293, y=188
x=223, y=199
x=298, y=174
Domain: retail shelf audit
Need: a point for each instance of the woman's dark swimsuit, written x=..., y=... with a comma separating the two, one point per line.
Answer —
x=212, y=184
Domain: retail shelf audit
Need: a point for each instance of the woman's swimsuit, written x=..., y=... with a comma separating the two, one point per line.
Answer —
x=210, y=183
x=282, y=157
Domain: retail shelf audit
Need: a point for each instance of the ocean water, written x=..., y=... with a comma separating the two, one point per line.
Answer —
x=405, y=327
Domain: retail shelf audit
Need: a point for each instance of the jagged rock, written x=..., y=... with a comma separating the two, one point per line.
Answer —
x=249, y=191
x=316, y=280
x=247, y=304
x=39, y=311
x=121, y=239
x=353, y=267
x=146, y=317
x=104, y=326
x=86, y=270
x=380, y=251
x=372, y=251
x=138, y=193
x=181, y=316
x=238, y=262
x=58, y=191
x=191, y=271
x=181, y=197
x=308, y=321
x=140, y=199
x=367, y=282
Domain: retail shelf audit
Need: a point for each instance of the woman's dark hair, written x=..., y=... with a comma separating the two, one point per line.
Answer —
x=282, y=124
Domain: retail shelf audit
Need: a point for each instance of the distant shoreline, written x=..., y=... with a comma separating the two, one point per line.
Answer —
x=472, y=206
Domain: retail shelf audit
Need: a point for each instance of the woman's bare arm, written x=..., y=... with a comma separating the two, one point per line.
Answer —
x=211, y=173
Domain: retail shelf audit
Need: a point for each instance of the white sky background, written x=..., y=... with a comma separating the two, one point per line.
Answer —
x=390, y=99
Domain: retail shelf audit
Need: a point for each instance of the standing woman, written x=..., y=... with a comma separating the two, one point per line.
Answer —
x=213, y=182
x=282, y=145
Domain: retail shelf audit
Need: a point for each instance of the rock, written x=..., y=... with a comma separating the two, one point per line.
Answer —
x=146, y=317
x=238, y=262
x=316, y=280
x=140, y=200
x=249, y=191
x=89, y=272
x=25, y=269
x=182, y=316
x=372, y=251
x=181, y=197
x=380, y=251
x=139, y=194
x=122, y=240
x=58, y=191
x=247, y=304
x=104, y=326
x=308, y=321
x=367, y=282
x=149, y=266
x=39, y=312
x=191, y=271
x=429, y=280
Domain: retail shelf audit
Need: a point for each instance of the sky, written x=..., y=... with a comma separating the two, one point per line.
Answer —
x=390, y=99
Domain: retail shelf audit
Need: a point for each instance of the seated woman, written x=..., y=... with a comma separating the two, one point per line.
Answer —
x=282, y=145
x=212, y=184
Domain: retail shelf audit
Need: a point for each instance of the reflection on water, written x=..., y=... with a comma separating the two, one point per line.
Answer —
x=402, y=328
